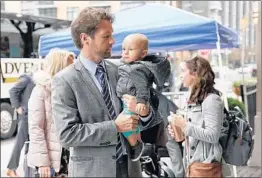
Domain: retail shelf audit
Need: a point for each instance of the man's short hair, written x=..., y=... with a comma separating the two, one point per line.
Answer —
x=87, y=21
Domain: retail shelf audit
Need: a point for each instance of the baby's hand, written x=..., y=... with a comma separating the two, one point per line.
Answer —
x=142, y=109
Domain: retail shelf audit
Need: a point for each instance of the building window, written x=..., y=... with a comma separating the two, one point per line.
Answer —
x=72, y=12
x=98, y=3
x=245, y=8
x=131, y=4
x=223, y=13
x=5, y=47
x=45, y=2
x=48, y=12
x=187, y=5
x=238, y=16
x=2, y=5
x=106, y=8
x=215, y=5
x=27, y=11
x=230, y=14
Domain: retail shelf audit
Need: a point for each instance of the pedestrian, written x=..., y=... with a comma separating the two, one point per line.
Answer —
x=202, y=120
x=136, y=77
x=19, y=96
x=45, y=151
x=86, y=110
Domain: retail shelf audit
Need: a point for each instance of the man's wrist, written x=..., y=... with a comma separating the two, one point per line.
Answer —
x=116, y=126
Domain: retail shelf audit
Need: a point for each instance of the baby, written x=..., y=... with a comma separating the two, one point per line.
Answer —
x=136, y=78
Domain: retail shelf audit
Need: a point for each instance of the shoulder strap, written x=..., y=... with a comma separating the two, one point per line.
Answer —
x=226, y=112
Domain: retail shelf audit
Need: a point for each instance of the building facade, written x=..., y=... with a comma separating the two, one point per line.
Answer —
x=238, y=15
x=69, y=9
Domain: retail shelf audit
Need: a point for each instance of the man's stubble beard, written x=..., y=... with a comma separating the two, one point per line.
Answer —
x=103, y=54
x=106, y=55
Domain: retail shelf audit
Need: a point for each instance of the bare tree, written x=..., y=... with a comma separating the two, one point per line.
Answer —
x=27, y=36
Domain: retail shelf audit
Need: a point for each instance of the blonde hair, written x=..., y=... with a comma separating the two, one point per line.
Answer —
x=56, y=60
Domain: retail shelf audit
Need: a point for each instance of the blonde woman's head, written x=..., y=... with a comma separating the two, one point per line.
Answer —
x=58, y=59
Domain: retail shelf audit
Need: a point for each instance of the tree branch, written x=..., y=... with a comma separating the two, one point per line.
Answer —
x=33, y=26
x=17, y=26
x=45, y=26
x=19, y=22
x=39, y=28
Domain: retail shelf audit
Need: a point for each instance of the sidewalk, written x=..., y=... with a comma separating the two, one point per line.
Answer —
x=242, y=171
x=247, y=171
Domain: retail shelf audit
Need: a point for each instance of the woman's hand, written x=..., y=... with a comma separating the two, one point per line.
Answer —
x=45, y=171
x=178, y=120
x=170, y=131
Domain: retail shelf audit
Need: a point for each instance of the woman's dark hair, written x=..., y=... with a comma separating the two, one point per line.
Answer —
x=204, y=83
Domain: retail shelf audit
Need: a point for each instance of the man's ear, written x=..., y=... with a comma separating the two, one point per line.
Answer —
x=144, y=53
x=85, y=39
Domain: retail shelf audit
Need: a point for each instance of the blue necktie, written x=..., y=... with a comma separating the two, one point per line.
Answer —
x=100, y=75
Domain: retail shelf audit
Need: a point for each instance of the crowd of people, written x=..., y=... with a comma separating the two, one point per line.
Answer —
x=87, y=117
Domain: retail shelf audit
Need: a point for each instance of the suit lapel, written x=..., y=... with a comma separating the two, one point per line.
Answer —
x=87, y=78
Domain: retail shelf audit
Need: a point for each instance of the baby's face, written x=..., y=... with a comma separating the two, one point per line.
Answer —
x=132, y=51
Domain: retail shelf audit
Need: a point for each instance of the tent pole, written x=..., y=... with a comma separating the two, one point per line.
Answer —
x=221, y=72
x=243, y=55
x=218, y=45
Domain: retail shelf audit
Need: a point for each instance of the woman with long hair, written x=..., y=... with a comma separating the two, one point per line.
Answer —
x=202, y=120
x=45, y=152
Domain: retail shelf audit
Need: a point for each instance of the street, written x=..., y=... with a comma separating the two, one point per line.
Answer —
x=207, y=47
x=230, y=77
x=6, y=149
x=7, y=146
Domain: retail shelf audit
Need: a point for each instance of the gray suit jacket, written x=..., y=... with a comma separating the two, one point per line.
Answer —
x=203, y=129
x=21, y=92
x=82, y=121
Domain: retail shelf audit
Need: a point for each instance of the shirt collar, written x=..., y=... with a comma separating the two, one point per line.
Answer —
x=90, y=65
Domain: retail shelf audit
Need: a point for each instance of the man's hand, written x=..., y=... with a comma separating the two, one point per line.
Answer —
x=142, y=109
x=125, y=123
x=19, y=110
x=45, y=171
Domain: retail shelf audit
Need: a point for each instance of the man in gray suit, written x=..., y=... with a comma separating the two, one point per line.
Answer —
x=86, y=110
x=19, y=96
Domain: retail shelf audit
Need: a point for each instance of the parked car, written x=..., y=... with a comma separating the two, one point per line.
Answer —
x=216, y=70
x=250, y=69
